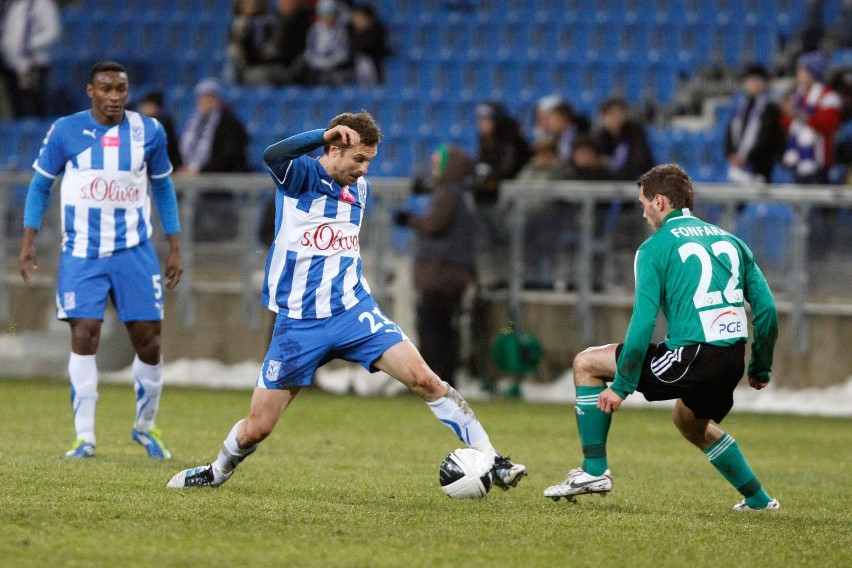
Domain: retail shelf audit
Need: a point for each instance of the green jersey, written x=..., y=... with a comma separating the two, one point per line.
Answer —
x=700, y=276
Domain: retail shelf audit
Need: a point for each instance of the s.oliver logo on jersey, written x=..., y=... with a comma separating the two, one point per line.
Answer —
x=724, y=323
x=100, y=189
x=110, y=141
x=326, y=238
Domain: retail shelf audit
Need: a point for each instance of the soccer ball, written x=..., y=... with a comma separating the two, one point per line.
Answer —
x=465, y=474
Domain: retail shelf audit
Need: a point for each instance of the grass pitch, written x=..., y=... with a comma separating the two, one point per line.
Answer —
x=346, y=481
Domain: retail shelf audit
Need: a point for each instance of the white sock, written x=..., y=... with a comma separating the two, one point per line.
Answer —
x=453, y=411
x=148, y=385
x=230, y=455
x=83, y=372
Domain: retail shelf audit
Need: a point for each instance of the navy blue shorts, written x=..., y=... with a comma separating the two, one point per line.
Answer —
x=131, y=277
x=299, y=347
x=703, y=376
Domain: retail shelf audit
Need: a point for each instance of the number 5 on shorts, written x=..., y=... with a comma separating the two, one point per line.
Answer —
x=158, y=286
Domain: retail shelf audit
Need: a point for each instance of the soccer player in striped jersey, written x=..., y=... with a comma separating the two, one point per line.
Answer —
x=107, y=156
x=700, y=276
x=325, y=311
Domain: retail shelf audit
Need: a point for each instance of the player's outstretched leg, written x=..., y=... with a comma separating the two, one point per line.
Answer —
x=728, y=459
x=454, y=412
x=266, y=408
x=726, y=456
x=217, y=473
x=404, y=363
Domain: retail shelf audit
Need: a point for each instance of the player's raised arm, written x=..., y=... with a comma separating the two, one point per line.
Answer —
x=290, y=148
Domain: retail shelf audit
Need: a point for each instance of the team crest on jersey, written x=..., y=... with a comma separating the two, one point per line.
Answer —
x=362, y=191
x=69, y=301
x=273, y=369
x=136, y=133
x=345, y=195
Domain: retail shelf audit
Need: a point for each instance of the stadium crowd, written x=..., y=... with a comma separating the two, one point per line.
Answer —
x=341, y=42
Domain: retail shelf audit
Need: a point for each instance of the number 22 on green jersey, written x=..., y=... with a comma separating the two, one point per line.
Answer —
x=722, y=312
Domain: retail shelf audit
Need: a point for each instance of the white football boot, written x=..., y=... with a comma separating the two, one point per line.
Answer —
x=202, y=476
x=773, y=505
x=579, y=482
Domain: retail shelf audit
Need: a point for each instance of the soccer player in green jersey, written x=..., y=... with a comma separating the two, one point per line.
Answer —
x=700, y=276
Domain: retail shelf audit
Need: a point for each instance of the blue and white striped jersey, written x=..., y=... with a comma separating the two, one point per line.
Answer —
x=314, y=266
x=104, y=192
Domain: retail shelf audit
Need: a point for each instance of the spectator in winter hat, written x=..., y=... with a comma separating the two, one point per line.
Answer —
x=811, y=117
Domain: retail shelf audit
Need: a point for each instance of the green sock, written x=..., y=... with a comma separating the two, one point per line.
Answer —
x=726, y=456
x=593, y=425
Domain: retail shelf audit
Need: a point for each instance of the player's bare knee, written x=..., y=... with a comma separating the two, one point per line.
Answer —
x=146, y=343
x=85, y=338
x=426, y=384
x=149, y=351
x=253, y=432
x=694, y=432
x=583, y=369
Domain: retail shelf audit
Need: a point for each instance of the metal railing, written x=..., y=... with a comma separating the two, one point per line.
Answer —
x=229, y=266
x=803, y=200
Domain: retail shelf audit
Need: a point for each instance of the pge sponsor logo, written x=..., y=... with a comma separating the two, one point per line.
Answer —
x=727, y=326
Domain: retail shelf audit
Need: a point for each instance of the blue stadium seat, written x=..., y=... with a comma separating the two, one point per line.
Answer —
x=397, y=156
x=563, y=78
x=782, y=174
x=688, y=45
x=765, y=227
x=292, y=117
x=661, y=144
x=396, y=72
x=403, y=117
x=727, y=44
x=666, y=81
x=840, y=58
x=634, y=44
x=425, y=41
x=789, y=16
x=572, y=43
x=759, y=44
x=473, y=77
x=674, y=12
